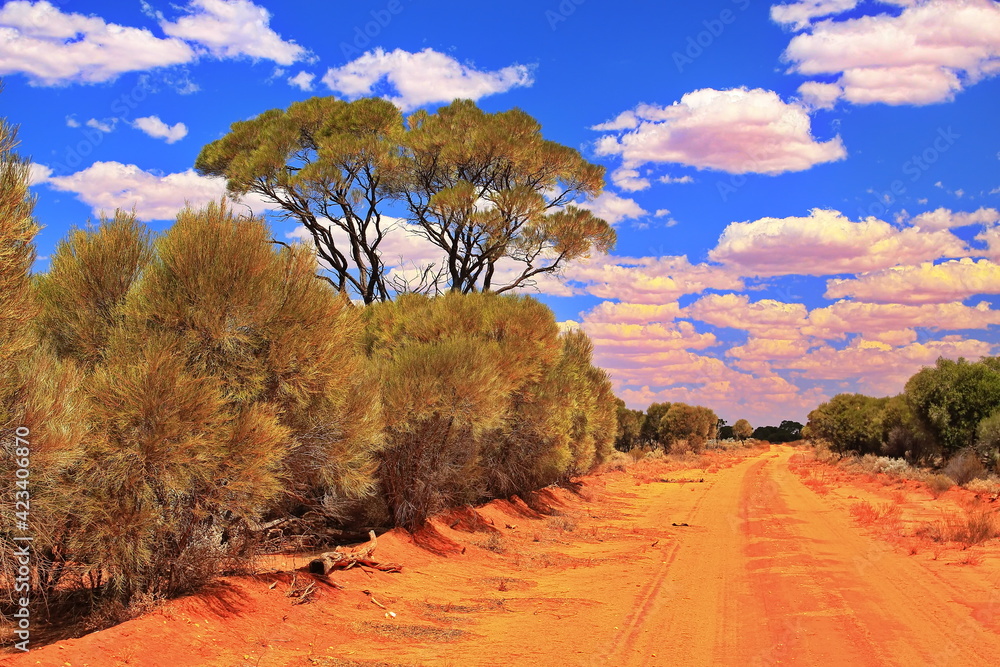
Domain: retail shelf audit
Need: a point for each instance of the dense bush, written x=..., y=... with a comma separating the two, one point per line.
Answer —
x=950, y=400
x=630, y=425
x=948, y=412
x=224, y=384
x=742, y=429
x=483, y=398
x=691, y=425
x=849, y=422
x=37, y=391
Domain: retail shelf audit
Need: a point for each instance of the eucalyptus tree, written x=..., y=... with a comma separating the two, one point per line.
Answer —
x=487, y=189
x=329, y=165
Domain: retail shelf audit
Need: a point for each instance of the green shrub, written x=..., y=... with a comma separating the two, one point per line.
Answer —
x=483, y=398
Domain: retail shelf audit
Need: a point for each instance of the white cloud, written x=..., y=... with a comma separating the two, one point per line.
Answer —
x=303, y=80
x=944, y=218
x=870, y=319
x=629, y=179
x=421, y=78
x=799, y=14
x=613, y=208
x=826, y=243
x=680, y=179
x=55, y=48
x=106, y=186
x=103, y=126
x=820, y=95
x=39, y=174
x=925, y=54
x=51, y=47
x=233, y=28
x=641, y=280
x=156, y=128
x=737, y=131
x=877, y=367
x=72, y=122
x=924, y=283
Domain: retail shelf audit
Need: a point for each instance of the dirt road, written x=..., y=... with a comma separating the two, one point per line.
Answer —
x=739, y=565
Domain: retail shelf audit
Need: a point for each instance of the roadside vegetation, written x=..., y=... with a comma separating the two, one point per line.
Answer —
x=197, y=396
x=944, y=429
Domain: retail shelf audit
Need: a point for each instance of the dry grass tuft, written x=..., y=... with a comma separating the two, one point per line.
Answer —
x=938, y=484
x=563, y=524
x=867, y=514
x=974, y=528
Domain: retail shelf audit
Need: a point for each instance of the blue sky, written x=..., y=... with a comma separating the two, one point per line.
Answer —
x=805, y=193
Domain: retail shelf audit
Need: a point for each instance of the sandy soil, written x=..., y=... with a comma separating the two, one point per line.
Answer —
x=753, y=559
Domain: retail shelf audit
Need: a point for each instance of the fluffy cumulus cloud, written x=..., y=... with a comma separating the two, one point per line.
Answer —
x=767, y=317
x=614, y=208
x=901, y=309
x=106, y=186
x=156, y=128
x=877, y=368
x=612, y=312
x=737, y=131
x=924, y=54
x=949, y=281
x=53, y=47
x=944, y=218
x=869, y=320
x=303, y=80
x=425, y=77
x=827, y=243
x=694, y=378
x=629, y=179
x=642, y=280
x=233, y=28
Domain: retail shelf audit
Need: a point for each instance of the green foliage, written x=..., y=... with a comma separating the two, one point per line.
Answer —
x=630, y=424
x=89, y=277
x=988, y=439
x=483, y=398
x=37, y=392
x=224, y=384
x=849, y=422
x=742, y=429
x=172, y=472
x=649, y=433
x=787, y=432
x=484, y=188
x=693, y=424
x=952, y=398
x=17, y=252
x=328, y=164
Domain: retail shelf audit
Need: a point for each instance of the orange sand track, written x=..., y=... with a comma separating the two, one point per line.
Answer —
x=766, y=572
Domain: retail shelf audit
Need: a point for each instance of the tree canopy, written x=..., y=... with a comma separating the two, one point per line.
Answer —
x=487, y=189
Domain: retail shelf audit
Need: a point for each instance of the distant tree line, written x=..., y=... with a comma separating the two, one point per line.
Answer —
x=669, y=426
x=945, y=410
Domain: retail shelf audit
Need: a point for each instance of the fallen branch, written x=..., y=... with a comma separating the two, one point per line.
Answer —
x=344, y=558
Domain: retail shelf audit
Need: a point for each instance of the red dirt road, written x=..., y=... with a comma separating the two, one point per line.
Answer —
x=766, y=572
